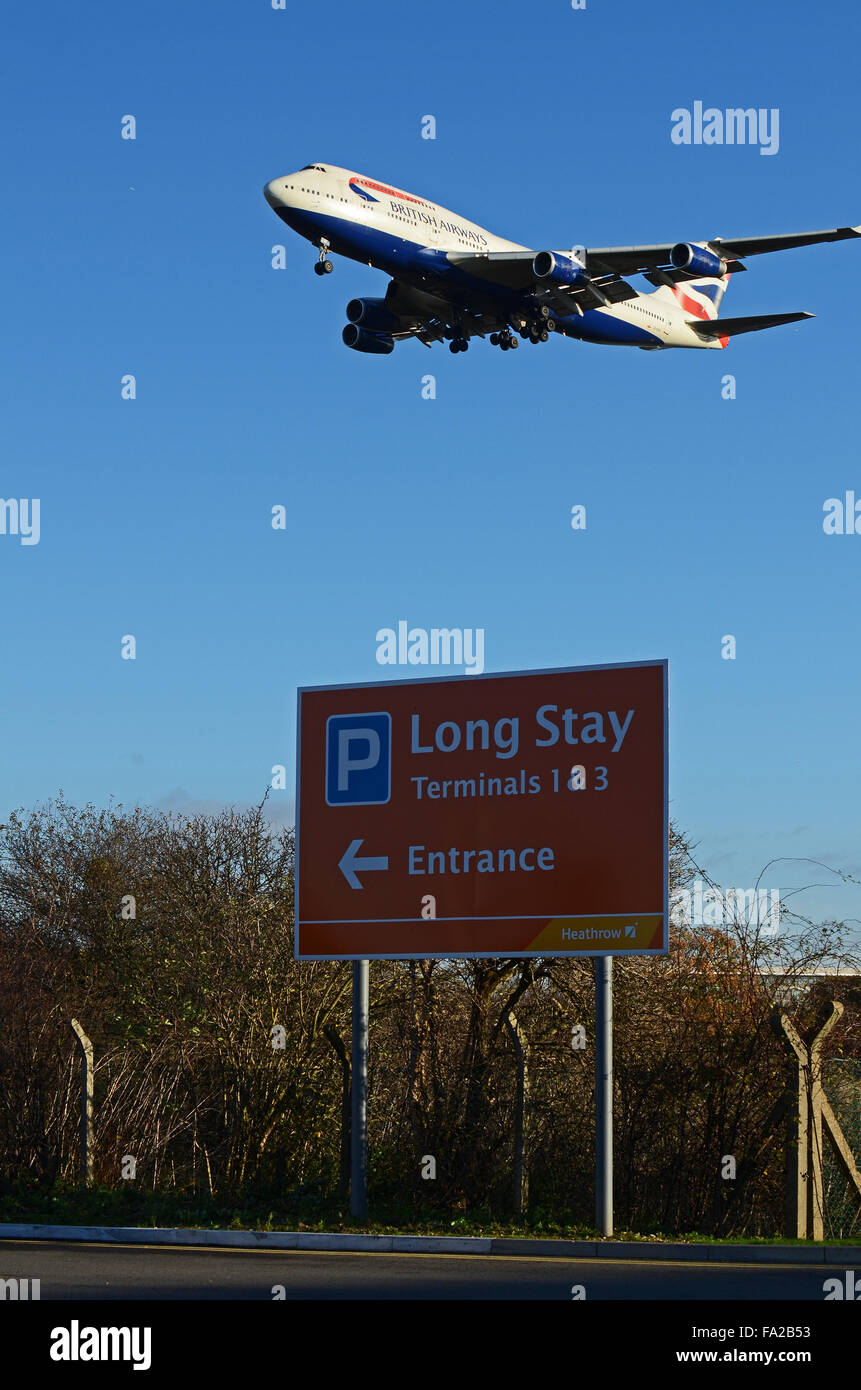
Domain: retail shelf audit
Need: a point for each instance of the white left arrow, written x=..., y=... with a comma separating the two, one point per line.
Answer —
x=350, y=862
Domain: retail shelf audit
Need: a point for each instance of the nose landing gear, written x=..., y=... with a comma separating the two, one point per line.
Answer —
x=323, y=266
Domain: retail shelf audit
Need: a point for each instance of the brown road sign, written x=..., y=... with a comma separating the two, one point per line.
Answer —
x=496, y=815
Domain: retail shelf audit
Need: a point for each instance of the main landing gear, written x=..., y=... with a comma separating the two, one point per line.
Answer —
x=458, y=345
x=505, y=339
x=538, y=330
x=323, y=266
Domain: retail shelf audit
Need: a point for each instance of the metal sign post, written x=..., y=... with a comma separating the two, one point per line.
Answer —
x=604, y=1094
x=359, y=1091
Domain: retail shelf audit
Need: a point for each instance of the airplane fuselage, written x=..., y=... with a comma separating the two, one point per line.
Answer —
x=414, y=241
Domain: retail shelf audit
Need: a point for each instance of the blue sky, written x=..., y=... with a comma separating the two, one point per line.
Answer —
x=152, y=257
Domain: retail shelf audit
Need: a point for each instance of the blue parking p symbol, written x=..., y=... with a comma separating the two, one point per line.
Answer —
x=358, y=759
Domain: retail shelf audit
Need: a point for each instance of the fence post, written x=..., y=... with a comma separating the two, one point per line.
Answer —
x=604, y=1094
x=359, y=1092
x=86, y=1102
x=816, y=1211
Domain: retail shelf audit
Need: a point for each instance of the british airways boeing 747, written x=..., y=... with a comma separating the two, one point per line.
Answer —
x=451, y=279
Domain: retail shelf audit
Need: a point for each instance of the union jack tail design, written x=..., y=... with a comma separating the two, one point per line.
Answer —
x=701, y=299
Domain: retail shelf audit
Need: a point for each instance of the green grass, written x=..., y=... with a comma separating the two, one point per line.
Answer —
x=66, y=1205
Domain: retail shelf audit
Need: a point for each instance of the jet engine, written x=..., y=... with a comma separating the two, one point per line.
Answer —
x=559, y=270
x=363, y=341
x=697, y=259
x=373, y=315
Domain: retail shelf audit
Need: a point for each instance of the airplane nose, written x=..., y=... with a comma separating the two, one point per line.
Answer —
x=272, y=192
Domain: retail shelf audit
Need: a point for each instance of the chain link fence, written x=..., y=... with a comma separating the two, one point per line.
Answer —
x=841, y=1080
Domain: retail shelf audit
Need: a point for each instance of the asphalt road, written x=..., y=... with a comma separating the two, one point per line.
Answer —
x=69, y=1270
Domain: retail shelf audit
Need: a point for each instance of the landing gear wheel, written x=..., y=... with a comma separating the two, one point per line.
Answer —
x=454, y=345
x=514, y=343
x=544, y=311
x=504, y=344
x=320, y=267
x=494, y=338
x=327, y=267
x=543, y=336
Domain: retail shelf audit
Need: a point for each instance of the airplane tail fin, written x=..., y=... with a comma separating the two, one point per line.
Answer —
x=707, y=294
x=701, y=298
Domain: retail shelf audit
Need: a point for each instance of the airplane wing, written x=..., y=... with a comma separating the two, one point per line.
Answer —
x=513, y=269
x=510, y=268
x=757, y=245
x=631, y=260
